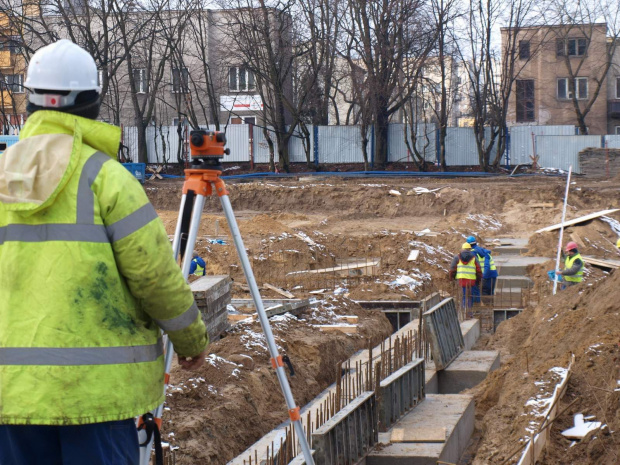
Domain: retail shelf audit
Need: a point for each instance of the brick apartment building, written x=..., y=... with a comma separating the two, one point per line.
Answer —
x=561, y=67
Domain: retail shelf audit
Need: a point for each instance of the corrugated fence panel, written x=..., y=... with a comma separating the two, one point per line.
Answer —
x=341, y=144
x=461, y=148
x=130, y=139
x=238, y=141
x=425, y=143
x=261, y=148
x=562, y=151
x=297, y=152
x=162, y=144
x=9, y=140
x=613, y=142
x=521, y=143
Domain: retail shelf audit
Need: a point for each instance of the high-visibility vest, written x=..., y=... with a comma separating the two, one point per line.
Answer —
x=568, y=263
x=199, y=271
x=481, y=260
x=80, y=339
x=466, y=270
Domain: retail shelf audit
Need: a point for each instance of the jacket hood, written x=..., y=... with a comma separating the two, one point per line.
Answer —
x=466, y=255
x=36, y=169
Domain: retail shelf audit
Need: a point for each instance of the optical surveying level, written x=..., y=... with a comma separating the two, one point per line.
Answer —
x=202, y=179
x=207, y=149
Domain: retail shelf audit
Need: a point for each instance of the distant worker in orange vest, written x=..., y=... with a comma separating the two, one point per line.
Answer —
x=466, y=268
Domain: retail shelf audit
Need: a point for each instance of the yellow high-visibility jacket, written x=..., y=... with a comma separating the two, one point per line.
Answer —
x=87, y=279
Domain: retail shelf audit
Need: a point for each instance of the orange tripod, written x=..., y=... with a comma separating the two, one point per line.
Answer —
x=202, y=180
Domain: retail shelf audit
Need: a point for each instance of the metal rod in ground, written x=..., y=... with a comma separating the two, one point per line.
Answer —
x=557, y=261
x=264, y=321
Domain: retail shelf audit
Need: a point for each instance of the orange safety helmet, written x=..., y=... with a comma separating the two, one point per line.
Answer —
x=571, y=246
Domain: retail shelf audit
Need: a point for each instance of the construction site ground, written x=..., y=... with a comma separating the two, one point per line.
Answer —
x=293, y=226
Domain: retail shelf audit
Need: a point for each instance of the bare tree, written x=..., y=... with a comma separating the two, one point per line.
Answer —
x=492, y=72
x=383, y=37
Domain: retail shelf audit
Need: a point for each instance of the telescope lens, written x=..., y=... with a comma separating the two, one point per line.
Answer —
x=196, y=139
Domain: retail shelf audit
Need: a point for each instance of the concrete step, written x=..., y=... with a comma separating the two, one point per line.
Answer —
x=467, y=370
x=518, y=282
x=516, y=265
x=454, y=412
x=509, y=250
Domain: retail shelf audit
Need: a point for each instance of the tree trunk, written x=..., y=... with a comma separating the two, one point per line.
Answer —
x=443, y=132
x=381, y=139
x=142, y=151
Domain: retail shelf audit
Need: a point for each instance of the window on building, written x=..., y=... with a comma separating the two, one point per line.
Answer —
x=14, y=83
x=618, y=87
x=240, y=79
x=617, y=130
x=571, y=47
x=139, y=79
x=180, y=80
x=524, y=49
x=579, y=86
x=12, y=44
x=525, y=101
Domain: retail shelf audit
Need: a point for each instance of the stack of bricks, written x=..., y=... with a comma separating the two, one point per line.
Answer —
x=212, y=295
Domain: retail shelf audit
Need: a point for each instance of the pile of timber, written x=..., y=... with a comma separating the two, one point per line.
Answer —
x=212, y=295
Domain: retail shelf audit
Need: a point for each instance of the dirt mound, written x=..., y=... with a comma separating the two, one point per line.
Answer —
x=596, y=238
x=234, y=399
x=583, y=320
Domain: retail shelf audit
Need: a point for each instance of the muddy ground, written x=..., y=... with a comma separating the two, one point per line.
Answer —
x=291, y=226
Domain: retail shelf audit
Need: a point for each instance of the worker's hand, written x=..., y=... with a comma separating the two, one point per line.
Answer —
x=192, y=363
x=558, y=273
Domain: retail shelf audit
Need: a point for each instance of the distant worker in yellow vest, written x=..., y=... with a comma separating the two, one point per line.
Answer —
x=81, y=350
x=466, y=268
x=573, y=266
x=198, y=266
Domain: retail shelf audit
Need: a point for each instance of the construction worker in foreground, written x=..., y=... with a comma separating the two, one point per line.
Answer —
x=573, y=266
x=487, y=264
x=80, y=339
x=466, y=268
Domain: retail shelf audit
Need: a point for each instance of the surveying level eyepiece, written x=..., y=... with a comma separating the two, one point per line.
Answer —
x=207, y=144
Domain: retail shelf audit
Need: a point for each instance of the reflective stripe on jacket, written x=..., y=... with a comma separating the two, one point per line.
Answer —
x=80, y=338
x=568, y=264
x=466, y=270
x=482, y=259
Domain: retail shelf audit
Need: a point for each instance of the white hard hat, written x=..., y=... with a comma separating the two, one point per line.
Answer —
x=62, y=66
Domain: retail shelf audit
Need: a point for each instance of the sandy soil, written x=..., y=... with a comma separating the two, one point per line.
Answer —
x=290, y=226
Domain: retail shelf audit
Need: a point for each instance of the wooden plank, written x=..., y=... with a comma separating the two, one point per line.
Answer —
x=537, y=444
x=577, y=238
x=282, y=292
x=342, y=328
x=542, y=205
x=348, y=266
x=609, y=264
x=234, y=317
x=581, y=219
x=419, y=434
x=351, y=319
x=413, y=255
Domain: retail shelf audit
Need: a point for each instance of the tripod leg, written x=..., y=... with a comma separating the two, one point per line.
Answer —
x=189, y=212
x=264, y=321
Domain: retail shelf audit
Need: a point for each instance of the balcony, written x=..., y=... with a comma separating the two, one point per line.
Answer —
x=6, y=59
x=613, y=110
x=6, y=100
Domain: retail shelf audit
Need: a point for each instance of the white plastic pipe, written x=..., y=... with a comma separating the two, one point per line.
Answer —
x=557, y=261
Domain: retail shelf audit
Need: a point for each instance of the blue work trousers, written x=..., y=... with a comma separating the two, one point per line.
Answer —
x=109, y=443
